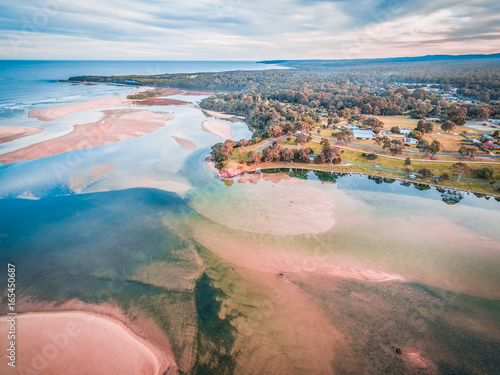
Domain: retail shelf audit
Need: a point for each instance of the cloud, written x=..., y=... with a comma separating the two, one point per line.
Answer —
x=245, y=30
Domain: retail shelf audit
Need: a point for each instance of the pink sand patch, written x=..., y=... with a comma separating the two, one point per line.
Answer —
x=78, y=343
x=188, y=145
x=217, y=127
x=116, y=125
x=10, y=133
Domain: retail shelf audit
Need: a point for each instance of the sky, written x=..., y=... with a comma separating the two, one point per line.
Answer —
x=248, y=30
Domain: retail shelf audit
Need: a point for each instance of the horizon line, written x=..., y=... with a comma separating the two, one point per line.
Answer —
x=266, y=60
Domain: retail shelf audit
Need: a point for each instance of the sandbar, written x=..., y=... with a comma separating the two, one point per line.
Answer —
x=217, y=127
x=218, y=114
x=10, y=133
x=53, y=113
x=188, y=145
x=161, y=101
x=197, y=93
x=78, y=343
x=116, y=125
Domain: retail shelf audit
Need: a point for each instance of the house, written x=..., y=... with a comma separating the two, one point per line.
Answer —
x=476, y=141
x=405, y=131
x=312, y=157
x=487, y=137
x=411, y=141
x=363, y=134
x=352, y=127
x=490, y=145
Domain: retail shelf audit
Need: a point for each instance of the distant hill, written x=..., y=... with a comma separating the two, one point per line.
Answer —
x=346, y=62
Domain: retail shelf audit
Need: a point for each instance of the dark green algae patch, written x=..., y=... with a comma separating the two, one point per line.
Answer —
x=215, y=336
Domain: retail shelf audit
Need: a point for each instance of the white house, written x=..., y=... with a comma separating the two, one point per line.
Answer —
x=476, y=141
x=404, y=131
x=363, y=134
x=411, y=141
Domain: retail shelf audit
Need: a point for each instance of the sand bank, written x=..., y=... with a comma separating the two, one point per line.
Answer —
x=218, y=114
x=287, y=208
x=217, y=127
x=79, y=343
x=188, y=145
x=116, y=125
x=197, y=93
x=53, y=113
x=10, y=133
x=161, y=101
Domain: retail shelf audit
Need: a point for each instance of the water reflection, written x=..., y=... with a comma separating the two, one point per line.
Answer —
x=447, y=195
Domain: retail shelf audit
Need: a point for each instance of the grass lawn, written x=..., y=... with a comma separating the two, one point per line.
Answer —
x=401, y=121
x=450, y=142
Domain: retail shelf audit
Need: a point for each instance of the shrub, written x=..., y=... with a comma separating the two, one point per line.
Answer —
x=486, y=173
x=372, y=156
x=426, y=172
x=444, y=176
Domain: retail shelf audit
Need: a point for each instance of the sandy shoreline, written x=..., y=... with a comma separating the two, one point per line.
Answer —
x=76, y=342
x=116, y=125
x=217, y=127
x=11, y=133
